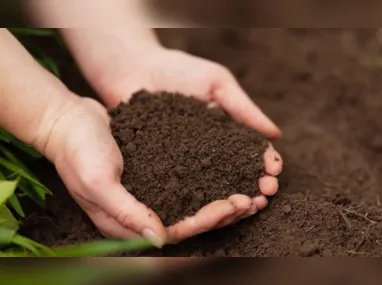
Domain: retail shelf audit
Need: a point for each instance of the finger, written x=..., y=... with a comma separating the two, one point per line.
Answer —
x=272, y=161
x=204, y=220
x=258, y=203
x=268, y=185
x=130, y=213
x=109, y=227
x=242, y=204
x=234, y=100
x=250, y=212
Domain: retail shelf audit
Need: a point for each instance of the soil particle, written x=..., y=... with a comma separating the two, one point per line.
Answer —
x=187, y=155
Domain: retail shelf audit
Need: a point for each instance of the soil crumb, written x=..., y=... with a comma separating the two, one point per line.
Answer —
x=180, y=155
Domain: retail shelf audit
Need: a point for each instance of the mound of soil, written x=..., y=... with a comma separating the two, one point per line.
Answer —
x=180, y=155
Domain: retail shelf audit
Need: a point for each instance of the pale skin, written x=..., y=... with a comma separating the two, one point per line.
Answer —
x=73, y=132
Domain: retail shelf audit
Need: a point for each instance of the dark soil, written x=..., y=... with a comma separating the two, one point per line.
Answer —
x=315, y=84
x=179, y=155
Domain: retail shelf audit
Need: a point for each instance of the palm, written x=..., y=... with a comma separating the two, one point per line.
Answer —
x=175, y=71
x=90, y=165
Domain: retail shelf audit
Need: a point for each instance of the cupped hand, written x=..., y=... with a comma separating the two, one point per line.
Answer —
x=89, y=162
x=176, y=71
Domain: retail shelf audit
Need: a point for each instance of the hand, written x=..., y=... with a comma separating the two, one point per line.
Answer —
x=90, y=164
x=170, y=70
x=74, y=134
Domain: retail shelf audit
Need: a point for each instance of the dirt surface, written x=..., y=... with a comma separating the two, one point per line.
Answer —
x=180, y=155
x=319, y=88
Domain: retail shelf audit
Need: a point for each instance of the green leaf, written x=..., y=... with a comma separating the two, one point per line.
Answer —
x=25, y=148
x=24, y=242
x=7, y=220
x=37, y=196
x=6, y=235
x=15, y=203
x=36, y=248
x=33, y=32
x=45, y=251
x=12, y=158
x=100, y=248
x=7, y=188
x=8, y=138
x=49, y=64
x=14, y=168
x=5, y=136
x=27, y=246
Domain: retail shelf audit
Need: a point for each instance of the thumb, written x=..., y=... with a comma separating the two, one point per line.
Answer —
x=117, y=202
x=231, y=97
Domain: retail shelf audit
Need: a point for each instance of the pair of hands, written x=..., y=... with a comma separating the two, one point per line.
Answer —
x=90, y=163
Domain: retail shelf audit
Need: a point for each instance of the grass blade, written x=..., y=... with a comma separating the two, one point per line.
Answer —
x=101, y=248
x=15, y=203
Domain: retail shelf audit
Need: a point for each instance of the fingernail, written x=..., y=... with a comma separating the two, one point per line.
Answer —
x=152, y=237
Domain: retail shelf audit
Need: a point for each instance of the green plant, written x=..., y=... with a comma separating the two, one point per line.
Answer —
x=16, y=181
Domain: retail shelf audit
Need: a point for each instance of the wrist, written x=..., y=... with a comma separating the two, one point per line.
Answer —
x=125, y=66
x=49, y=122
x=107, y=56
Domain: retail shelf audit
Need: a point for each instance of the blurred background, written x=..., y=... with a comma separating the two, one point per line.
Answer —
x=127, y=271
x=217, y=13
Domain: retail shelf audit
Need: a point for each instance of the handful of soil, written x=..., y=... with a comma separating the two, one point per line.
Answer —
x=179, y=155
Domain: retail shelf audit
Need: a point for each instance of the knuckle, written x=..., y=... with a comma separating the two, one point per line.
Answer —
x=125, y=216
x=125, y=219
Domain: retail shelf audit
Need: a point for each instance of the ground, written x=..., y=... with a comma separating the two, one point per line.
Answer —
x=322, y=89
